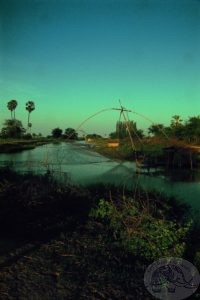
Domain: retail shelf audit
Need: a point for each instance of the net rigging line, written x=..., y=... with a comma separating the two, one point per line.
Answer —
x=123, y=112
x=152, y=122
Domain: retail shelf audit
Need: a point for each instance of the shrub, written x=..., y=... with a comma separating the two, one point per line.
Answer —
x=27, y=136
x=139, y=232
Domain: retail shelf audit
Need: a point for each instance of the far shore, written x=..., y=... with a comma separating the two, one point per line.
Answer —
x=17, y=145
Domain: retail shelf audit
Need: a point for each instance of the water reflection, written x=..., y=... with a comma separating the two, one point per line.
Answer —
x=77, y=162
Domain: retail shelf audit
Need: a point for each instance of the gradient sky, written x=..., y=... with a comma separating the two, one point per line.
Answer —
x=73, y=58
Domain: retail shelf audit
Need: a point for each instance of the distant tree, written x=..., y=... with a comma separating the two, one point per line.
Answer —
x=140, y=133
x=12, y=129
x=57, y=132
x=12, y=104
x=156, y=129
x=30, y=106
x=176, y=121
x=113, y=135
x=70, y=133
x=93, y=136
x=34, y=135
x=176, y=129
x=27, y=136
x=192, y=129
x=123, y=128
x=135, y=133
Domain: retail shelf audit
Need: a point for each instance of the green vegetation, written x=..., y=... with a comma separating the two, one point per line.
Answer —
x=139, y=232
x=69, y=134
x=30, y=106
x=94, y=242
x=122, y=132
x=12, y=104
x=14, y=137
x=93, y=136
x=13, y=128
x=151, y=152
x=188, y=131
x=56, y=133
x=175, y=146
x=17, y=145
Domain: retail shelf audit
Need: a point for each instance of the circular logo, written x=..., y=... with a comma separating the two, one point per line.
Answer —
x=171, y=278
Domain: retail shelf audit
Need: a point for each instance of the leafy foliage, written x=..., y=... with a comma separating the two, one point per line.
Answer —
x=71, y=134
x=12, y=129
x=189, y=130
x=30, y=106
x=139, y=232
x=12, y=104
x=93, y=136
x=57, y=132
x=122, y=130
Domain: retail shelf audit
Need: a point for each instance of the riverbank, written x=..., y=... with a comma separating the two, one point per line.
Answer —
x=150, y=152
x=18, y=145
x=14, y=145
x=66, y=242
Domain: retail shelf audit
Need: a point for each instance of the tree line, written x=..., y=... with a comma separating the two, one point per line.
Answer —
x=13, y=128
x=69, y=133
x=123, y=129
x=188, y=130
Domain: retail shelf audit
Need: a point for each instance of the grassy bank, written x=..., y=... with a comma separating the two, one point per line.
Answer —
x=70, y=242
x=14, y=145
x=151, y=152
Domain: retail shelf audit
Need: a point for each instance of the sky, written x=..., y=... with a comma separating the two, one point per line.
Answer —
x=74, y=58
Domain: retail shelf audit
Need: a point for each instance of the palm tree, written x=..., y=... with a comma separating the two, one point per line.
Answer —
x=12, y=104
x=176, y=121
x=30, y=106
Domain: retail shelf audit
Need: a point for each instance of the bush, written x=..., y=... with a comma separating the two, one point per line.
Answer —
x=139, y=232
x=27, y=136
x=33, y=205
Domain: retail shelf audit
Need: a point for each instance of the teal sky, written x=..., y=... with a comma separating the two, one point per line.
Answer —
x=73, y=58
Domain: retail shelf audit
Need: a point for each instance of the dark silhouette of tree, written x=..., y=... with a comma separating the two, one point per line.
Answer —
x=70, y=133
x=176, y=121
x=122, y=130
x=12, y=104
x=113, y=135
x=57, y=132
x=176, y=128
x=12, y=129
x=93, y=136
x=30, y=106
x=156, y=129
x=192, y=129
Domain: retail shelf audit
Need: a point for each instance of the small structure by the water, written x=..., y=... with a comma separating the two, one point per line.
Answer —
x=113, y=144
x=89, y=140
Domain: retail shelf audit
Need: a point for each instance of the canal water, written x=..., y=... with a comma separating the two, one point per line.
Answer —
x=78, y=163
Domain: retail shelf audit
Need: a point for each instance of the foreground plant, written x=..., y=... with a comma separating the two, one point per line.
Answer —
x=139, y=232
